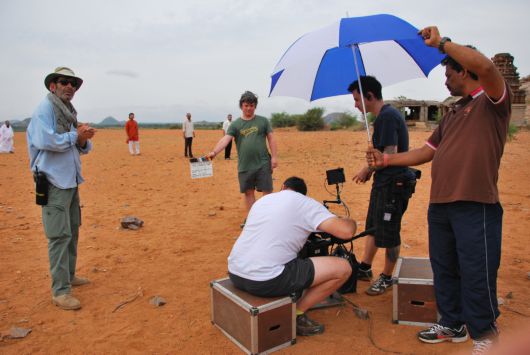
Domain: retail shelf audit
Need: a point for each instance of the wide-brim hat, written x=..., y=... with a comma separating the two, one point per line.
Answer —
x=61, y=71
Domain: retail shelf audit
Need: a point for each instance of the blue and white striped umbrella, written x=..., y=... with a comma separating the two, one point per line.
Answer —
x=324, y=62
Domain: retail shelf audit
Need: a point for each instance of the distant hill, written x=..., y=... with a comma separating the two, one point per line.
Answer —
x=20, y=125
x=110, y=122
x=332, y=117
x=204, y=123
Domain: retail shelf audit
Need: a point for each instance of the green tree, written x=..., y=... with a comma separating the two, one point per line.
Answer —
x=282, y=119
x=296, y=118
x=348, y=120
x=345, y=120
x=370, y=117
x=312, y=120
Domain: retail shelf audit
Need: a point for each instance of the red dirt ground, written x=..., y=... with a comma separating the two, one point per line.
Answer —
x=190, y=226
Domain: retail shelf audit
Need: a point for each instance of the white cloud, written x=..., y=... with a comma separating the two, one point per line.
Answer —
x=123, y=72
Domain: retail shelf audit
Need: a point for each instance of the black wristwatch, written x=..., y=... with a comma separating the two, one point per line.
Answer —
x=442, y=44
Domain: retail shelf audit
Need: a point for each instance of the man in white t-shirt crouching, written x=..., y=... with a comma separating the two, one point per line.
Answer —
x=264, y=262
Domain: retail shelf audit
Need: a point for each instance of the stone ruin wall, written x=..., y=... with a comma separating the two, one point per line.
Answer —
x=504, y=62
x=520, y=110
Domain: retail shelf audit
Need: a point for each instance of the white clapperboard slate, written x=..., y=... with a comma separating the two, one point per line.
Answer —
x=201, y=168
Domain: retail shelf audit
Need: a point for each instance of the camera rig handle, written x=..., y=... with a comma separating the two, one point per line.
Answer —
x=335, y=240
x=338, y=201
x=331, y=239
x=357, y=236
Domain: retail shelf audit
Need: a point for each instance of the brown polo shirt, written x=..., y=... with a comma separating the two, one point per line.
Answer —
x=468, y=145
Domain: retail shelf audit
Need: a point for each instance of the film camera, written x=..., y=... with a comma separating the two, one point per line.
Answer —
x=325, y=244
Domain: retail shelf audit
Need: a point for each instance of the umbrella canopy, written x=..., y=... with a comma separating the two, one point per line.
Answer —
x=324, y=62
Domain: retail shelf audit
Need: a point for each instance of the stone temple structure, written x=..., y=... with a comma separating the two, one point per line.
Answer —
x=425, y=113
x=504, y=62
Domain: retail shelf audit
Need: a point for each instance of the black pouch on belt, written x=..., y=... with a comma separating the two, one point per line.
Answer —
x=41, y=188
x=404, y=185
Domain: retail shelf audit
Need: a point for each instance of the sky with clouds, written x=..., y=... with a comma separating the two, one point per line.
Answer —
x=161, y=59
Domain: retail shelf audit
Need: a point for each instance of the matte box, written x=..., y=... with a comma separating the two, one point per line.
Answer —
x=257, y=325
x=413, y=295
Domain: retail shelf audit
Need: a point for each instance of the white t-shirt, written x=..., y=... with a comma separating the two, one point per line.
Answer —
x=226, y=124
x=187, y=128
x=276, y=229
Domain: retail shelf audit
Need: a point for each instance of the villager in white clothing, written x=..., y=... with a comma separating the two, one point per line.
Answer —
x=7, y=138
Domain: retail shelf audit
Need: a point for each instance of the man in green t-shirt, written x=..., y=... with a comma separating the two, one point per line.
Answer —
x=255, y=164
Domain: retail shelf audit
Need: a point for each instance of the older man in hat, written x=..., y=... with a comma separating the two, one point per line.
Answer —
x=55, y=141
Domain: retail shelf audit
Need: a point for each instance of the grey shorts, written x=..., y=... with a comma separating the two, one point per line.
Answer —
x=259, y=180
x=297, y=276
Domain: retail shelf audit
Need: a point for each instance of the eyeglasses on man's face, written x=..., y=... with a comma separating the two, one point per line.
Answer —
x=66, y=81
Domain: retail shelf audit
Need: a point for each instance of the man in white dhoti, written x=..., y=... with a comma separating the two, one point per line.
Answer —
x=6, y=138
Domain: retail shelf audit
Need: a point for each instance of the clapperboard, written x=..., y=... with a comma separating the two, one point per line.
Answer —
x=201, y=168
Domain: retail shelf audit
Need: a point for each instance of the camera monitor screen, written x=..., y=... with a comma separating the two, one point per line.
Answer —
x=335, y=176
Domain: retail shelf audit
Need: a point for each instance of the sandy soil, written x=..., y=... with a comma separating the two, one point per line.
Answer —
x=190, y=226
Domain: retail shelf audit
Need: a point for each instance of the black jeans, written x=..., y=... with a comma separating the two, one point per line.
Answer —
x=187, y=147
x=228, y=150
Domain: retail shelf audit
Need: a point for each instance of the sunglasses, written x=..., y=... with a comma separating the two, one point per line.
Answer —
x=65, y=82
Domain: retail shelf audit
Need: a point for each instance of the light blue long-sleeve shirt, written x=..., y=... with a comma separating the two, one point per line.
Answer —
x=54, y=154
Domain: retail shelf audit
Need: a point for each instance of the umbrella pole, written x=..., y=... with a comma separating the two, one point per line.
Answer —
x=355, y=49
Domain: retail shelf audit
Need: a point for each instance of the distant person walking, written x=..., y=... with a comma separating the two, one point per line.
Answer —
x=6, y=138
x=188, y=133
x=131, y=129
x=255, y=164
x=55, y=141
x=226, y=125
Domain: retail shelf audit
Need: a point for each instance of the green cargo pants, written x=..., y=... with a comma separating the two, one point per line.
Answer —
x=61, y=218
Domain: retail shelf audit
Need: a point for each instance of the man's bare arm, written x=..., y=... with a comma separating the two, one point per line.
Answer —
x=343, y=228
x=223, y=142
x=274, y=150
x=390, y=149
x=470, y=59
x=411, y=158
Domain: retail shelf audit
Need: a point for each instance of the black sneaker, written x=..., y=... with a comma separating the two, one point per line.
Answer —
x=306, y=326
x=379, y=286
x=364, y=275
x=438, y=333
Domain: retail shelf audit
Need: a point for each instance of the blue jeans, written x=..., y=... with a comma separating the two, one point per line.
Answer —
x=465, y=252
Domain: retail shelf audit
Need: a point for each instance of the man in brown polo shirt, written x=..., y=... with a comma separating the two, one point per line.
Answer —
x=465, y=216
